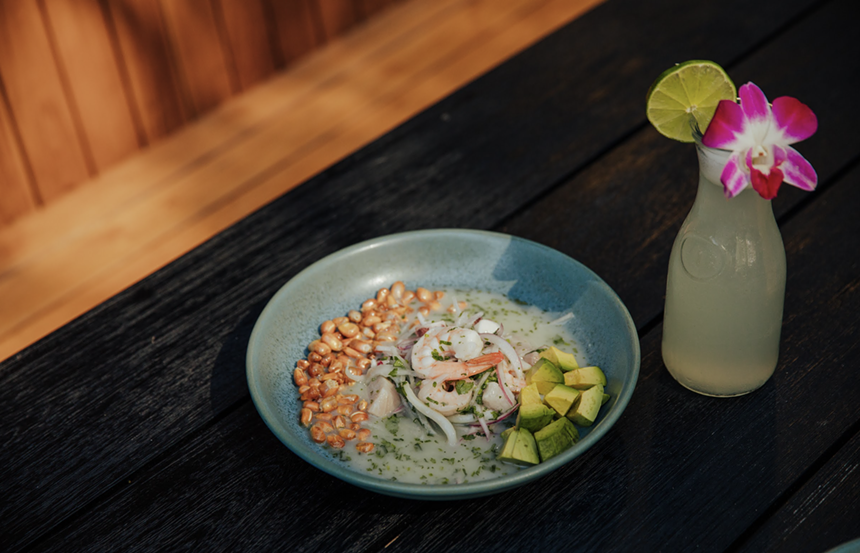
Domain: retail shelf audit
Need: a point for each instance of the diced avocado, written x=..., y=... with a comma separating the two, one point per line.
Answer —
x=563, y=360
x=589, y=404
x=561, y=398
x=530, y=395
x=520, y=448
x=507, y=432
x=534, y=417
x=545, y=374
x=555, y=438
x=605, y=399
x=507, y=452
x=585, y=377
x=526, y=449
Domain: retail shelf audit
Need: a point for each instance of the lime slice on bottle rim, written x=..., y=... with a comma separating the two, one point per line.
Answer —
x=687, y=91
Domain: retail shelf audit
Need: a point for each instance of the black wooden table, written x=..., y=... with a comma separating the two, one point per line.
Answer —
x=131, y=428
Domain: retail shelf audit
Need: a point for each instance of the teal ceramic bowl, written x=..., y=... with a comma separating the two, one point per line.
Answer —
x=522, y=269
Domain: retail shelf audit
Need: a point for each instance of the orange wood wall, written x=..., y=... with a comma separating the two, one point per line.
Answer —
x=86, y=83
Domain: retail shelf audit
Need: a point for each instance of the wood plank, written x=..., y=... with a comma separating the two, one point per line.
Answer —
x=290, y=481
x=208, y=301
x=203, y=68
x=146, y=58
x=208, y=137
x=346, y=117
x=33, y=88
x=298, y=30
x=368, y=8
x=823, y=514
x=337, y=16
x=87, y=54
x=15, y=185
x=249, y=43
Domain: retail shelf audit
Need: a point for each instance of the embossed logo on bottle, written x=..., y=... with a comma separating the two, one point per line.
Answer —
x=701, y=258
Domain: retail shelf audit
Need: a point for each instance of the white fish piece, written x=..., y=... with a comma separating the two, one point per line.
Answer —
x=384, y=399
x=486, y=326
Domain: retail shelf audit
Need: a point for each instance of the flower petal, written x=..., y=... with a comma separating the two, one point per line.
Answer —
x=798, y=171
x=733, y=177
x=725, y=127
x=766, y=185
x=794, y=119
x=754, y=103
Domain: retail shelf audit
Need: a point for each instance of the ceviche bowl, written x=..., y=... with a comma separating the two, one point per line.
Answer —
x=523, y=270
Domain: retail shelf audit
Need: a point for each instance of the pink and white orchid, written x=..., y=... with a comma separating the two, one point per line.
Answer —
x=759, y=136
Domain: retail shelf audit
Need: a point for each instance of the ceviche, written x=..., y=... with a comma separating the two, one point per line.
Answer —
x=426, y=385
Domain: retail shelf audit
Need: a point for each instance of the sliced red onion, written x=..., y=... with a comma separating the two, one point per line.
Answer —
x=504, y=386
x=354, y=377
x=507, y=349
x=390, y=350
x=455, y=304
x=435, y=416
x=485, y=428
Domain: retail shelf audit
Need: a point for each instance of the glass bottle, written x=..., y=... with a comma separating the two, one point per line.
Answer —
x=725, y=289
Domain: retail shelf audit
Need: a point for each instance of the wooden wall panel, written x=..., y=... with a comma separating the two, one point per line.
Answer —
x=207, y=76
x=298, y=27
x=146, y=61
x=85, y=51
x=86, y=83
x=338, y=16
x=370, y=7
x=248, y=39
x=37, y=100
x=16, y=198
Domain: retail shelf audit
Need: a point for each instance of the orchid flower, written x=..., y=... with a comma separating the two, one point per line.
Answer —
x=759, y=136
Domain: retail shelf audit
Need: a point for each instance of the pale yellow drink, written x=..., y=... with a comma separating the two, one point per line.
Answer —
x=725, y=289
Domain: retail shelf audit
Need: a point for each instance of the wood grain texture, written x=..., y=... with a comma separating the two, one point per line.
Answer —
x=199, y=52
x=89, y=83
x=248, y=39
x=298, y=28
x=337, y=16
x=824, y=510
x=214, y=173
x=18, y=197
x=38, y=102
x=369, y=7
x=146, y=55
x=85, y=50
x=160, y=392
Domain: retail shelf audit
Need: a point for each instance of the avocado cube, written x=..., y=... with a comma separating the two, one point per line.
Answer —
x=534, y=417
x=561, y=398
x=563, y=360
x=585, y=377
x=530, y=395
x=589, y=404
x=545, y=374
x=520, y=448
x=555, y=438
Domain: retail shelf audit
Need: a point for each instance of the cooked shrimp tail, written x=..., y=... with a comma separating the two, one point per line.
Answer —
x=458, y=370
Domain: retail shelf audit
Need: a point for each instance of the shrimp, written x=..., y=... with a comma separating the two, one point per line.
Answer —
x=443, y=397
x=444, y=354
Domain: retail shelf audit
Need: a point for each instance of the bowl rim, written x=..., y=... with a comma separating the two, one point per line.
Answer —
x=430, y=491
